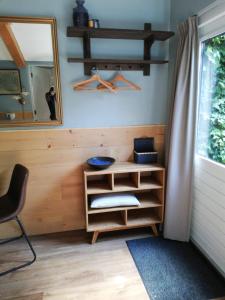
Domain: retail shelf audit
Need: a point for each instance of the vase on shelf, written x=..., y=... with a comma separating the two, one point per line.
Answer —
x=80, y=14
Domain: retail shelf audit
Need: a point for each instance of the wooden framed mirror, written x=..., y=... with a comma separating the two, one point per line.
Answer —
x=30, y=93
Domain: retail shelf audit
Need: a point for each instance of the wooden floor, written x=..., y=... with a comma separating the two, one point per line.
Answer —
x=69, y=268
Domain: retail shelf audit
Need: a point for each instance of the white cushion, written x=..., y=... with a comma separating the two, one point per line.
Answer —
x=114, y=200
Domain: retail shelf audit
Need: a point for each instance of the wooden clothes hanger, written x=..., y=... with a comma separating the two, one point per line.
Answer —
x=85, y=84
x=130, y=85
x=120, y=78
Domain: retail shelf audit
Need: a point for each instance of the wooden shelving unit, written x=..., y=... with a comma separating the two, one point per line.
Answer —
x=145, y=181
x=147, y=35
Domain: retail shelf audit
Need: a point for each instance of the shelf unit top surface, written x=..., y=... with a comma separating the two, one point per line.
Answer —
x=116, y=33
x=123, y=167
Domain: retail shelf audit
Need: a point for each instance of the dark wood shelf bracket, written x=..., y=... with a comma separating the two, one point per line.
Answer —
x=147, y=49
x=87, y=52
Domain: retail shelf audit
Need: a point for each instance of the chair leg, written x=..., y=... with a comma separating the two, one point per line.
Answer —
x=11, y=240
x=29, y=244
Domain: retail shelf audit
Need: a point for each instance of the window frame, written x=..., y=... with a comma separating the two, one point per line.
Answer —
x=203, y=38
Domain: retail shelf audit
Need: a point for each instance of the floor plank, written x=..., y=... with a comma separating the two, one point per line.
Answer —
x=38, y=296
x=70, y=268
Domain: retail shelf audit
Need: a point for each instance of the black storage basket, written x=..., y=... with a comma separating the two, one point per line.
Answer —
x=144, y=152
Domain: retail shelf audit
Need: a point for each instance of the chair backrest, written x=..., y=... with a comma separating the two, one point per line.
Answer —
x=18, y=186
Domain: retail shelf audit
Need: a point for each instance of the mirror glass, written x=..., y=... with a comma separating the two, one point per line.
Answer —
x=29, y=72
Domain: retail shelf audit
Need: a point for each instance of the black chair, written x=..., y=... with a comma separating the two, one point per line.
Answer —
x=11, y=205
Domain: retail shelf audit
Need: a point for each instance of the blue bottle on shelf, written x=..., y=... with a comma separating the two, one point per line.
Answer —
x=80, y=14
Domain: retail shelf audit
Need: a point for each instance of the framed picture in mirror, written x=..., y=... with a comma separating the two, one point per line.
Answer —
x=30, y=89
x=10, y=82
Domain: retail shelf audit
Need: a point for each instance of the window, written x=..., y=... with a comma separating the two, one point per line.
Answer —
x=211, y=121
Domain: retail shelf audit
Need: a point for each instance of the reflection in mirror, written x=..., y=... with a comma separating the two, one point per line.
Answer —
x=29, y=72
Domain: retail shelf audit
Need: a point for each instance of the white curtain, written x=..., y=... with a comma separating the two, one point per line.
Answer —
x=182, y=133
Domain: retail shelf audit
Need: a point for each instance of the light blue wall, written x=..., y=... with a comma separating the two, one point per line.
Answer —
x=181, y=9
x=104, y=110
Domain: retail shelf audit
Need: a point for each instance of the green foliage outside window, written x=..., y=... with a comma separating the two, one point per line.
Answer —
x=214, y=51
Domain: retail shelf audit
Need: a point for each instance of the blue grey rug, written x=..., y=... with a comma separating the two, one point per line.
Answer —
x=175, y=271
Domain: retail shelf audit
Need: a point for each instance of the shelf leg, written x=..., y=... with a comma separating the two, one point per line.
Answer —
x=155, y=231
x=95, y=237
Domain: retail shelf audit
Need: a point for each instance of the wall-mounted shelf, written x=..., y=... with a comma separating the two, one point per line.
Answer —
x=147, y=35
x=124, y=34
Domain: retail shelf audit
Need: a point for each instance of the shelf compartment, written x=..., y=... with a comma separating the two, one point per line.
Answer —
x=99, y=184
x=144, y=217
x=119, y=220
x=125, y=181
x=152, y=179
x=114, y=33
x=147, y=200
x=105, y=222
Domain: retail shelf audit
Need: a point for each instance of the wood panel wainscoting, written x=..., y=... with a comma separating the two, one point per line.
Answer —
x=55, y=158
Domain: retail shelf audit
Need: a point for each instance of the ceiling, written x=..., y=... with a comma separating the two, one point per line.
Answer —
x=34, y=40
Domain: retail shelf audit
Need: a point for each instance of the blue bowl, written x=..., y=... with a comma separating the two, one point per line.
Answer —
x=100, y=163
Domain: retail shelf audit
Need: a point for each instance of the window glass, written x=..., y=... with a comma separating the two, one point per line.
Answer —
x=211, y=121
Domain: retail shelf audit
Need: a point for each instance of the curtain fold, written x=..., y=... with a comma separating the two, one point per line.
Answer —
x=182, y=134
